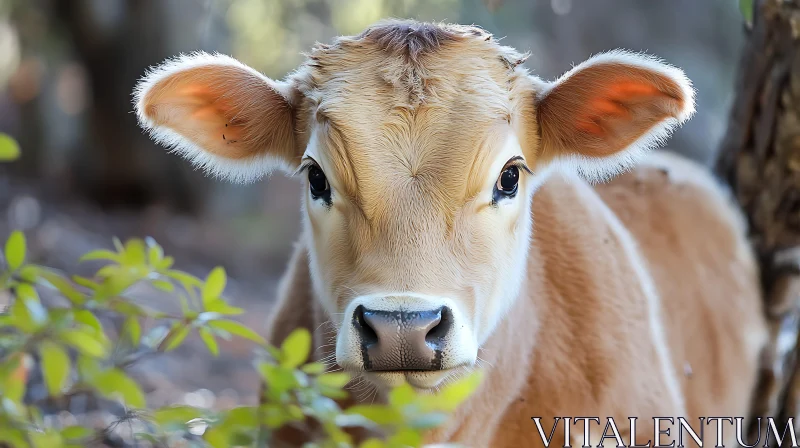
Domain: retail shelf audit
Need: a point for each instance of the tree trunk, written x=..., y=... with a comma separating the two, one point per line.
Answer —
x=760, y=159
x=120, y=166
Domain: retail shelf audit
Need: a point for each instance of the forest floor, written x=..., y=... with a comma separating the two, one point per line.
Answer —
x=58, y=232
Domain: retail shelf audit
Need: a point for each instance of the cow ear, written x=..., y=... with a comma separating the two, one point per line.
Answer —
x=600, y=117
x=220, y=114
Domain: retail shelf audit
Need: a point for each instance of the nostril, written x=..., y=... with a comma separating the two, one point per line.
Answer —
x=365, y=330
x=435, y=336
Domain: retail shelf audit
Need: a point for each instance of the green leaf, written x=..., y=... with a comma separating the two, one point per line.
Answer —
x=453, y=394
x=332, y=392
x=208, y=339
x=334, y=379
x=237, y=329
x=372, y=443
x=9, y=148
x=49, y=439
x=171, y=415
x=242, y=416
x=88, y=367
x=275, y=416
x=242, y=437
x=154, y=252
x=746, y=8
x=76, y=432
x=278, y=380
x=26, y=291
x=381, y=415
x=133, y=330
x=405, y=437
x=85, y=343
x=101, y=254
x=15, y=250
x=55, y=366
x=314, y=368
x=63, y=286
x=402, y=395
x=14, y=437
x=165, y=263
x=295, y=348
x=216, y=438
x=85, y=282
x=295, y=412
x=21, y=317
x=184, y=278
x=30, y=298
x=127, y=308
x=14, y=376
x=30, y=273
x=220, y=306
x=163, y=285
x=176, y=337
x=115, y=382
x=214, y=284
x=88, y=318
x=135, y=253
x=117, y=283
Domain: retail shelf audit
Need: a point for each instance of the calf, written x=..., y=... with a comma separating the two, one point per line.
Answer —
x=450, y=223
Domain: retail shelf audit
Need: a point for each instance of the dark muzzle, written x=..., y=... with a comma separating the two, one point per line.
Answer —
x=402, y=340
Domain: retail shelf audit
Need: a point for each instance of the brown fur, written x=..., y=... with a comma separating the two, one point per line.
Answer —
x=575, y=343
x=638, y=297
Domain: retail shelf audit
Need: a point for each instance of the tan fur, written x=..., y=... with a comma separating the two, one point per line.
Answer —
x=576, y=343
x=638, y=297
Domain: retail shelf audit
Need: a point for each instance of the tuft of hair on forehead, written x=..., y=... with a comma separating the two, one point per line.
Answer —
x=410, y=43
x=411, y=39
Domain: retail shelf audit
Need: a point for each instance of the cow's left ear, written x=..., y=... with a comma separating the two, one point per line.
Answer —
x=602, y=115
x=221, y=115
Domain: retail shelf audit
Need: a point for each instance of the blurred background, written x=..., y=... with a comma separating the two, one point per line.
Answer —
x=87, y=172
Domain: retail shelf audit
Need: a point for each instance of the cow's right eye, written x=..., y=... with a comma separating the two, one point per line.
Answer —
x=317, y=182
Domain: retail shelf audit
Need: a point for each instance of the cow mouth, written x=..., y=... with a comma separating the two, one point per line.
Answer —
x=423, y=380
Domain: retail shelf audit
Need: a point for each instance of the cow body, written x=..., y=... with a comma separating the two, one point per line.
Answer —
x=641, y=300
x=449, y=225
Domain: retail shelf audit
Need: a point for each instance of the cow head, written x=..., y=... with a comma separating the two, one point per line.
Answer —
x=420, y=146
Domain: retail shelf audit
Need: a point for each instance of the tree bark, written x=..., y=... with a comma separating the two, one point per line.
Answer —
x=760, y=159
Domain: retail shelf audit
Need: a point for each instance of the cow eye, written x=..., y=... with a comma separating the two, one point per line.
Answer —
x=318, y=183
x=508, y=181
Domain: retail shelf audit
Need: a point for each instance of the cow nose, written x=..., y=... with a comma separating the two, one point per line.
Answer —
x=402, y=340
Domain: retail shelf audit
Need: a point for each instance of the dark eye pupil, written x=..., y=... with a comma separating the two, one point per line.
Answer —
x=509, y=179
x=317, y=181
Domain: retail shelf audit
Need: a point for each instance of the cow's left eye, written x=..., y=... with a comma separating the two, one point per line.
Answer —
x=508, y=182
x=317, y=182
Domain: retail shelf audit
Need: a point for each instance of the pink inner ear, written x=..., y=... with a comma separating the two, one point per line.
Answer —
x=224, y=110
x=603, y=109
x=611, y=104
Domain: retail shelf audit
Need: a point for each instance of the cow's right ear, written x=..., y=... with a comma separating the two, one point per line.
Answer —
x=220, y=114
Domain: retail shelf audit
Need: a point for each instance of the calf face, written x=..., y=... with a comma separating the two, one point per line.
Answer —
x=421, y=146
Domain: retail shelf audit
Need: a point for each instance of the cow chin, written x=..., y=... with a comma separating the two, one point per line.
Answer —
x=423, y=381
x=397, y=338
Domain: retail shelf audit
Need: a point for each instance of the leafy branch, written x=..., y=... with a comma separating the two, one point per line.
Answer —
x=76, y=357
